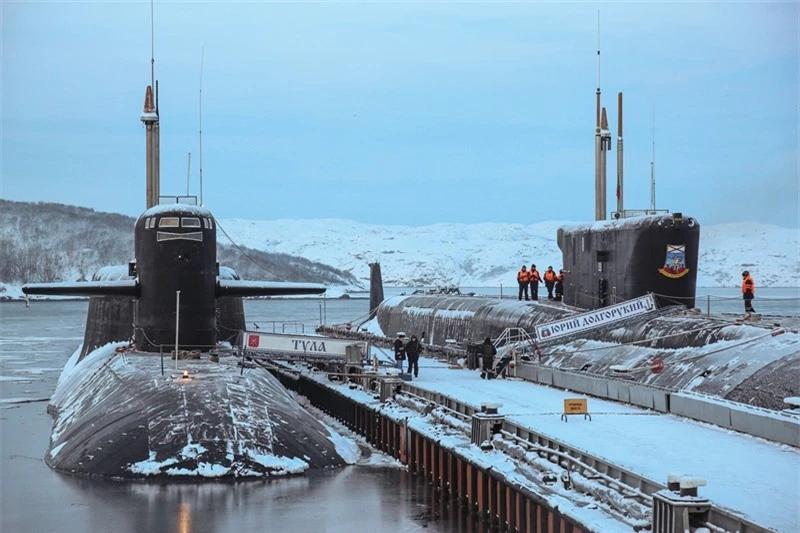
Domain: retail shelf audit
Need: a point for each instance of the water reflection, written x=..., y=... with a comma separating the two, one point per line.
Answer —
x=184, y=523
x=355, y=498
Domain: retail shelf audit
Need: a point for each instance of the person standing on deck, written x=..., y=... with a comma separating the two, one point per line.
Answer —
x=523, y=279
x=549, y=281
x=399, y=350
x=413, y=349
x=748, y=292
x=488, y=351
x=535, y=278
x=560, y=285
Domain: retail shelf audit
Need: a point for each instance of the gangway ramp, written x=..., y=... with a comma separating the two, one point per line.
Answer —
x=746, y=476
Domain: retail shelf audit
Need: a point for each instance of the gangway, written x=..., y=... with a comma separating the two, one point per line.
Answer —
x=518, y=344
x=524, y=346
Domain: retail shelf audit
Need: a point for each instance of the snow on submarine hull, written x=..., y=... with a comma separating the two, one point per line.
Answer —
x=117, y=416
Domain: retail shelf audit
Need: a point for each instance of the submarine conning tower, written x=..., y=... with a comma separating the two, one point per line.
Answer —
x=613, y=260
x=176, y=250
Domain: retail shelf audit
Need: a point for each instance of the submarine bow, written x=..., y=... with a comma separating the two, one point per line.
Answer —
x=117, y=417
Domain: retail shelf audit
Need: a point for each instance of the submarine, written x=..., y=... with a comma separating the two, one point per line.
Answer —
x=157, y=391
x=645, y=256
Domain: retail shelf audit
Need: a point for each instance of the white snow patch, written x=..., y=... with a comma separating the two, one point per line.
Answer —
x=282, y=465
x=345, y=447
x=57, y=449
x=150, y=466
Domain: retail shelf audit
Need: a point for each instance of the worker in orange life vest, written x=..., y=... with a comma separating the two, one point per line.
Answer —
x=560, y=285
x=523, y=279
x=535, y=278
x=549, y=281
x=748, y=292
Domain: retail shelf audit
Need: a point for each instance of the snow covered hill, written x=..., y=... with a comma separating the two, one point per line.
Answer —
x=488, y=255
x=466, y=255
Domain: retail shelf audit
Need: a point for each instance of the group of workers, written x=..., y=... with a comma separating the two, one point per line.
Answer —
x=411, y=350
x=531, y=278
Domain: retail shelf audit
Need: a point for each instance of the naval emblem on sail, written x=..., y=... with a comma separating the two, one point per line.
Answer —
x=675, y=262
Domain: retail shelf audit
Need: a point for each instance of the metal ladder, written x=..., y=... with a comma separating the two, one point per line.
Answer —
x=521, y=344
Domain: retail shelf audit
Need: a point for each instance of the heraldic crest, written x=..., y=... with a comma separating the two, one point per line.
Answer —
x=675, y=262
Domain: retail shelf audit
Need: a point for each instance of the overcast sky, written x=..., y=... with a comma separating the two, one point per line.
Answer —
x=405, y=112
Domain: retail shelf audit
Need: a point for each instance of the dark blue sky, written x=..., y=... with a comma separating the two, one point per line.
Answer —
x=405, y=113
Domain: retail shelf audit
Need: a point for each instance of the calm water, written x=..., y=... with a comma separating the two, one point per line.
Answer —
x=35, y=342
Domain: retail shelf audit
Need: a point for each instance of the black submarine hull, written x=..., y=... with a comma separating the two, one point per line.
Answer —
x=117, y=416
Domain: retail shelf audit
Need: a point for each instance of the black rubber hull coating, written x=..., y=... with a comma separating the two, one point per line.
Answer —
x=117, y=416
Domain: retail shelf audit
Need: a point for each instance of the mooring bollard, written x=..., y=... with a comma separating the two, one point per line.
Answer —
x=390, y=387
x=486, y=423
x=678, y=508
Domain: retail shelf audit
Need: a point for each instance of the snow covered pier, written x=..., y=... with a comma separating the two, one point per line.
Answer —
x=522, y=468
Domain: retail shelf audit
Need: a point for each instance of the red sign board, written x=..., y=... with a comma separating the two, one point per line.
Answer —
x=252, y=341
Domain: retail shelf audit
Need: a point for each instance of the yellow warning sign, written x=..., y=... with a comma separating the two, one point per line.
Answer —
x=575, y=406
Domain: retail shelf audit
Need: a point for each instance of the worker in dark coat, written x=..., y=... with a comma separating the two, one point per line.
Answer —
x=560, y=285
x=523, y=279
x=488, y=351
x=549, y=281
x=535, y=278
x=748, y=292
x=400, y=350
x=413, y=349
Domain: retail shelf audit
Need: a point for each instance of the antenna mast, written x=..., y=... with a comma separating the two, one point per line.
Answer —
x=598, y=214
x=202, y=57
x=653, y=166
x=620, y=183
x=188, y=172
x=152, y=48
x=152, y=137
x=602, y=143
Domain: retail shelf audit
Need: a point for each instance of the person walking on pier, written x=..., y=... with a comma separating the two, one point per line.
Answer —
x=488, y=351
x=523, y=279
x=560, y=285
x=535, y=278
x=413, y=349
x=549, y=281
x=399, y=350
x=748, y=291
